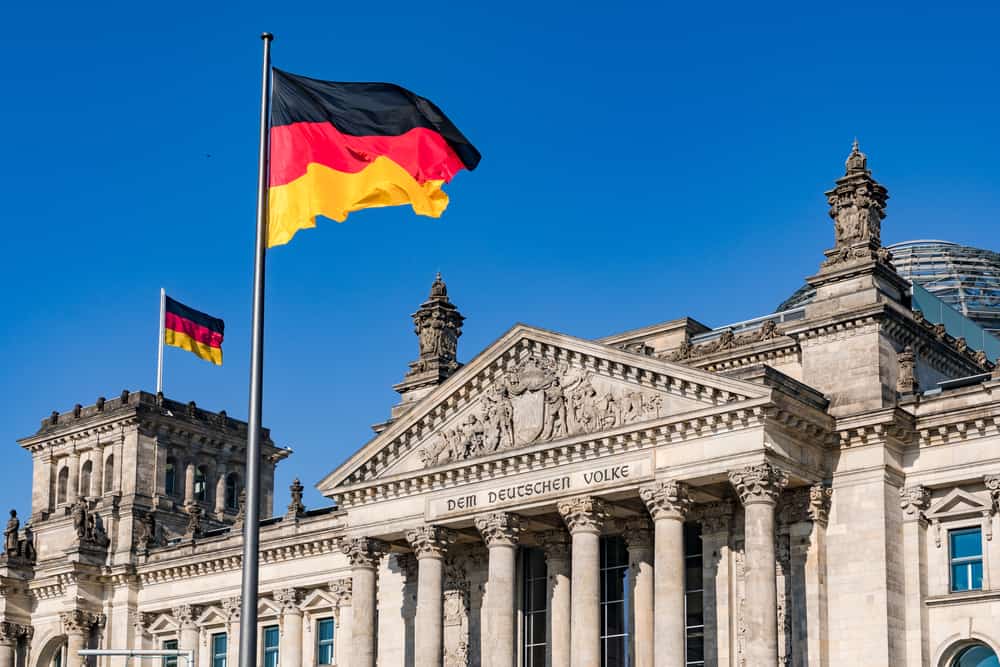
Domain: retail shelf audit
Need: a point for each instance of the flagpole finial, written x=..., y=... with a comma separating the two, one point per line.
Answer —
x=266, y=36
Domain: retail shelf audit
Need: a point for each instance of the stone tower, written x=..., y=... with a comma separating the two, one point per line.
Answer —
x=438, y=325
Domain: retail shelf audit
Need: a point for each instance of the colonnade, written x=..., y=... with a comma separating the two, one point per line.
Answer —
x=574, y=568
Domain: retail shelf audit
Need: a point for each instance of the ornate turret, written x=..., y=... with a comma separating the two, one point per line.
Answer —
x=857, y=206
x=438, y=325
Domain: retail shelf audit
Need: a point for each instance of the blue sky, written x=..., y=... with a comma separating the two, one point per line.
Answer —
x=642, y=161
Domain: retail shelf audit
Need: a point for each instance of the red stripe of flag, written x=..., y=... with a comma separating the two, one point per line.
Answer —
x=197, y=332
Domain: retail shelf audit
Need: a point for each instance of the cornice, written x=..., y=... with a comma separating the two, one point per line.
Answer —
x=891, y=426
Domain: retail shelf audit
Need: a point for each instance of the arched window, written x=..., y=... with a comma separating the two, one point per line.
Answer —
x=232, y=491
x=977, y=655
x=201, y=483
x=85, y=474
x=170, y=481
x=109, y=474
x=62, y=485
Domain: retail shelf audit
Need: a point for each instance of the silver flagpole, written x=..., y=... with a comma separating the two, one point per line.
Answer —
x=251, y=527
x=159, y=356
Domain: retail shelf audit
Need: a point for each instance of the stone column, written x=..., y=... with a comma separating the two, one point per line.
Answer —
x=9, y=632
x=914, y=500
x=186, y=616
x=500, y=532
x=716, y=520
x=668, y=503
x=429, y=543
x=759, y=487
x=364, y=554
x=231, y=607
x=189, y=483
x=77, y=625
x=220, y=490
x=639, y=538
x=290, y=648
x=97, y=474
x=555, y=544
x=584, y=517
x=73, y=483
x=342, y=614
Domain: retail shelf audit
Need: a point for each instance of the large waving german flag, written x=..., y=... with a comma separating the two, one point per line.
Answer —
x=342, y=147
x=193, y=330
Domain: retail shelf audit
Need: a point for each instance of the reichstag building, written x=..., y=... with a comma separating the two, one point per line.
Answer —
x=814, y=487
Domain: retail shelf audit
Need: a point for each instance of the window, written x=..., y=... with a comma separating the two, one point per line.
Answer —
x=976, y=656
x=170, y=645
x=61, y=486
x=615, y=602
x=200, y=483
x=535, y=614
x=324, y=641
x=232, y=492
x=57, y=659
x=85, y=475
x=109, y=474
x=170, y=481
x=271, y=646
x=220, y=644
x=966, y=553
x=693, y=597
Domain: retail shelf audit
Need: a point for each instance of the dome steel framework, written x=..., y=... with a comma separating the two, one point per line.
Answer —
x=966, y=278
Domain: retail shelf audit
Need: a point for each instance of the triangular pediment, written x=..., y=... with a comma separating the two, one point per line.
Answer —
x=958, y=503
x=211, y=615
x=163, y=623
x=533, y=386
x=317, y=599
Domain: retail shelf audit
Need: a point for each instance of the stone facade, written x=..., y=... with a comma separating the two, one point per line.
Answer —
x=817, y=457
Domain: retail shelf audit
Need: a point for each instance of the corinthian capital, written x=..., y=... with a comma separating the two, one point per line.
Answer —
x=185, y=614
x=232, y=608
x=288, y=599
x=78, y=622
x=819, y=503
x=666, y=500
x=341, y=589
x=761, y=483
x=11, y=632
x=429, y=541
x=992, y=483
x=584, y=514
x=499, y=528
x=363, y=551
x=914, y=499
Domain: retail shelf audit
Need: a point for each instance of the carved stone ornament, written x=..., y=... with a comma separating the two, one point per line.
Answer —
x=585, y=514
x=499, y=528
x=992, y=483
x=761, y=483
x=232, y=608
x=666, y=500
x=296, y=508
x=342, y=590
x=727, y=340
x=537, y=401
x=11, y=632
x=716, y=517
x=457, y=656
x=555, y=544
x=914, y=499
x=363, y=551
x=288, y=599
x=857, y=208
x=186, y=614
x=193, y=528
x=429, y=541
x=906, y=381
x=79, y=622
x=145, y=532
x=438, y=326
x=818, y=508
x=88, y=525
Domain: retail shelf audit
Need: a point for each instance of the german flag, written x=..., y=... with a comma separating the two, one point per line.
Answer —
x=193, y=330
x=342, y=147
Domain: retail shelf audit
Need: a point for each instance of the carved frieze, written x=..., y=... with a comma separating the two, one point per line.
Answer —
x=759, y=483
x=666, y=500
x=585, y=514
x=499, y=528
x=536, y=401
x=727, y=340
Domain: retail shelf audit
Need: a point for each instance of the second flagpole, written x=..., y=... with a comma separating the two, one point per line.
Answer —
x=251, y=527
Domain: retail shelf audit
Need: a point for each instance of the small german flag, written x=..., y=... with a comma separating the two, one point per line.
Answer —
x=342, y=147
x=193, y=330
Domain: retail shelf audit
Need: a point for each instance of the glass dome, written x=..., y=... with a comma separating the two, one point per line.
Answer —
x=966, y=278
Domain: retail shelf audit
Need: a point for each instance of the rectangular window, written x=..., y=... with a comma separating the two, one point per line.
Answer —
x=535, y=615
x=693, y=597
x=271, y=646
x=966, y=554
x=220, y=643
x=324, y=641
x=615, y=602
x=170, y=645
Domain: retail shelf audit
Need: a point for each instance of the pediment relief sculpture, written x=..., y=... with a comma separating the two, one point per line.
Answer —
x=537, y=401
